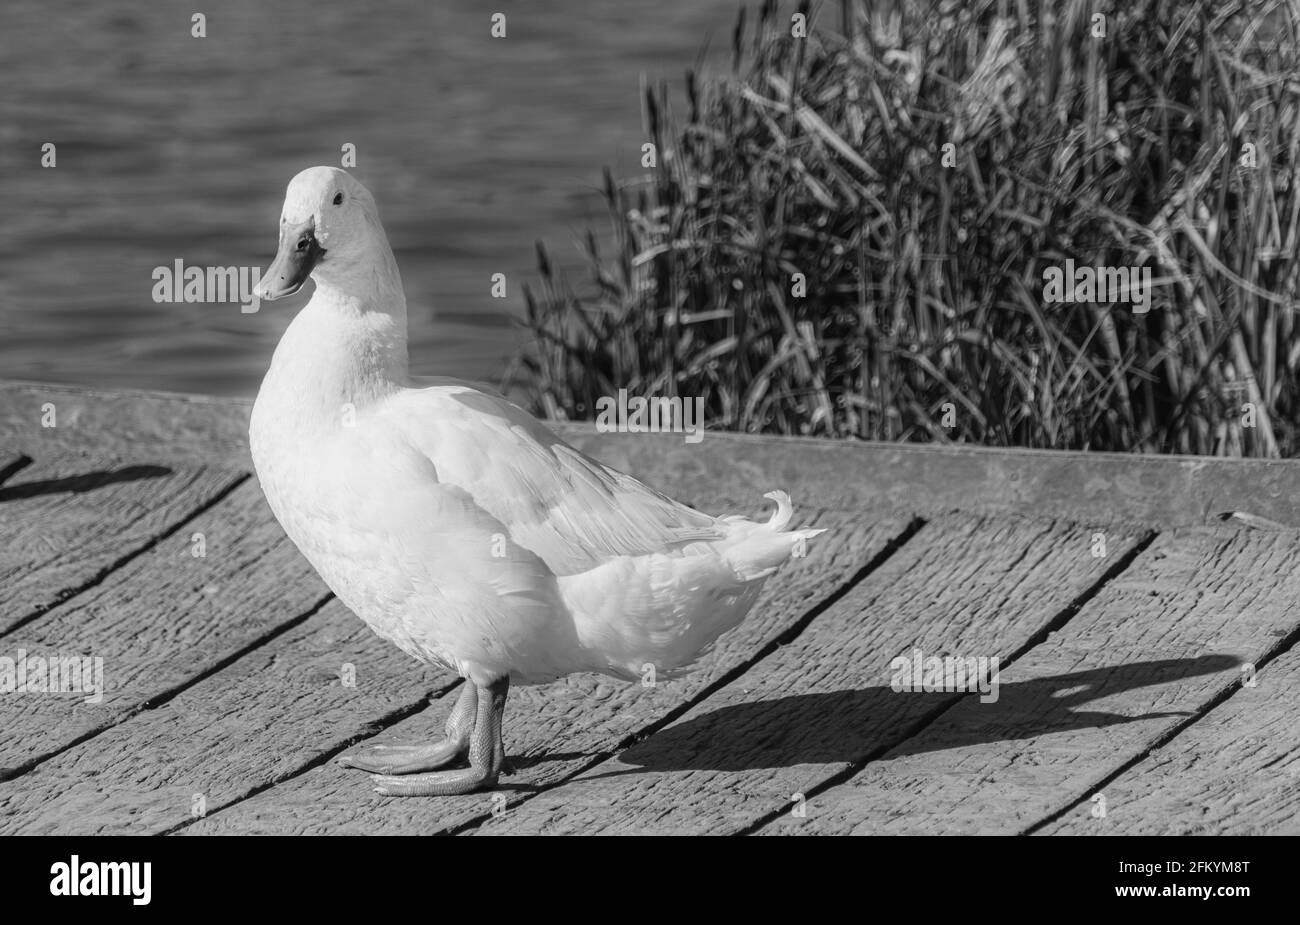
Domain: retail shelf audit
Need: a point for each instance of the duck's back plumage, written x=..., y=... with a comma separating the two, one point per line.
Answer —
x=569, y=509
x=647, y=581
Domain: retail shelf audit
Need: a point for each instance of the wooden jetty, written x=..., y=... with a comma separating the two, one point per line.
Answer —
x=1148, y=675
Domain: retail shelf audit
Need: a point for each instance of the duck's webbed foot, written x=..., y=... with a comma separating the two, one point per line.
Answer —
x=405, y=759
x=486, y=755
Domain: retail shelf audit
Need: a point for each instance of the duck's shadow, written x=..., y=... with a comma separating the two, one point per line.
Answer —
x=516, y=764
x=849, y=725
x=88, y=481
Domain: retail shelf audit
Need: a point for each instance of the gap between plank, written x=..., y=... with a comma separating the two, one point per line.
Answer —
x=22, y=462
x=8, y=774
x=1066, y=614
x=784, y=638
x=1161, y=741
x=389, y=719
x=151, y=543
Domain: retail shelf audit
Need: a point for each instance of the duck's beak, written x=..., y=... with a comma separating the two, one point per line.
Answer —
x=297, y=256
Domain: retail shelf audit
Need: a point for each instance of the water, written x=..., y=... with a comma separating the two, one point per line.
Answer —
x=171, y=146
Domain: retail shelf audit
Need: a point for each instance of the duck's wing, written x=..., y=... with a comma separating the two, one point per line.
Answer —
x=564, y=506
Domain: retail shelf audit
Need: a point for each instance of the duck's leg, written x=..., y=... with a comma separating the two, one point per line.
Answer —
x=486, y=754
x=404, y=759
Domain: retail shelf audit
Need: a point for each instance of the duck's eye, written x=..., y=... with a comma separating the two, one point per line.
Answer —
x=338, y=199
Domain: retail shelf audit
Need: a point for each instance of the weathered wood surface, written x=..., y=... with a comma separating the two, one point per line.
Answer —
x=160, y=622
x=962, y=585
x=555, y=730
x=265, y=717
x=1162, y=491
x=1151, y=651
x=226, y=698
x=149, y=426
x=67, y=521
x=1236, y=771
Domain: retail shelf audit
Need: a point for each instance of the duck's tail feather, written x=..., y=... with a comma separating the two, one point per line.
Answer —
x=784, y=510
x=707, y=592
x=756, y=550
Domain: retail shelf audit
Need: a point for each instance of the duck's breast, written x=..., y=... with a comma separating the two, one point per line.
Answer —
x=415, y=558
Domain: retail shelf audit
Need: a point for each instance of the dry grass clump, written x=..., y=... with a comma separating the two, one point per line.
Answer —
x=1168, y=143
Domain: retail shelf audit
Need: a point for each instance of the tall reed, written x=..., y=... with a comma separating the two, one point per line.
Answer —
x=1169, y=142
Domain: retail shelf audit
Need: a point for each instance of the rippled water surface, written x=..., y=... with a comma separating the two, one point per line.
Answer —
x=174, y=147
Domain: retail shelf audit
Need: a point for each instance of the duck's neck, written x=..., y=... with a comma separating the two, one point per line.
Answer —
x=347, y=347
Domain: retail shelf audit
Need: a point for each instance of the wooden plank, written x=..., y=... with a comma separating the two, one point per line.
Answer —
x=265, y=717
x=1151, y=651
x=66, y=521
x=963, y=586
x=1164, y=491
x=1234, y=772
x=554, y=730
x=160, y=622
x=126, y=425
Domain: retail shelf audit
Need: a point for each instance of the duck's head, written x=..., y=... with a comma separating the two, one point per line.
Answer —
x=330, y=229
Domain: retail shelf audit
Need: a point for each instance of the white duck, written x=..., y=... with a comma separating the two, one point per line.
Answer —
x=455, y=524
